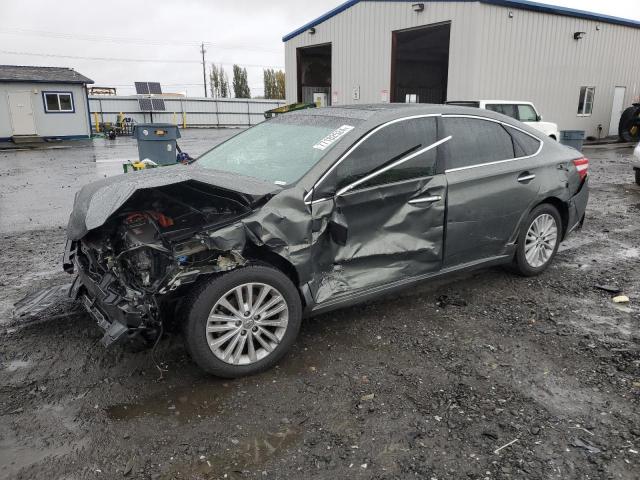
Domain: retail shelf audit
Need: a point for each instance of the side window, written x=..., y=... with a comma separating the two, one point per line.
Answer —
x=526, y=113
x=390, y=144
x=475, y=141
x=523, y=144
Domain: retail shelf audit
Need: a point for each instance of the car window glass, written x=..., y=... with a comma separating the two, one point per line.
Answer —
x=475, y=141
x=280, y=150
x=523, y=144
x=503, y=108
x=388, y=145
x=526, y=113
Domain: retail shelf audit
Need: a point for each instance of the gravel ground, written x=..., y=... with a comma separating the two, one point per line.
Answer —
x=482, y=376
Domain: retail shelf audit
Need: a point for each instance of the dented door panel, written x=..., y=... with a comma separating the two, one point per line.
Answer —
x=395, y=231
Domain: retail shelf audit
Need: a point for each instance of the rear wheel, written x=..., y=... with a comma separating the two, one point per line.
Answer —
x=538, y=241
x=243, y=322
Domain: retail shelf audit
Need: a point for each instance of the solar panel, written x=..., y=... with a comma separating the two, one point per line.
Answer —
x=145, y=104
x=154, y=88
x=158, y=104
x=142, y=88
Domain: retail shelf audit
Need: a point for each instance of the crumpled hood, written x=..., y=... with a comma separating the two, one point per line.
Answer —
x=97, y=201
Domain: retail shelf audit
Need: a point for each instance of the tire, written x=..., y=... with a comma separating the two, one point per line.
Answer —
x=637, y=170
x=527, y=266
x=255, y=350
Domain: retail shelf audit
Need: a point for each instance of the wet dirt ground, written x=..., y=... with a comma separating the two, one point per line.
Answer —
x=483, y=375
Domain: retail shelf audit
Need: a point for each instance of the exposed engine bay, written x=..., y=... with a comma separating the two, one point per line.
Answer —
x=154, y=244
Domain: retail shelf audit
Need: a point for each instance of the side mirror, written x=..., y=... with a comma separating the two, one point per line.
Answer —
x=338, y=229
x=539, y=117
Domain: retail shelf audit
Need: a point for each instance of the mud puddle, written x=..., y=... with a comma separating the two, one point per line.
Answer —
x=243, y=457
x=185, y=403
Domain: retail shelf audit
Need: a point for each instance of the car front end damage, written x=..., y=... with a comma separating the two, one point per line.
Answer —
x=134, y=268
x=129, y=269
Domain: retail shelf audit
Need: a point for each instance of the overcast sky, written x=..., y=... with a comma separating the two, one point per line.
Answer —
x=167, y=35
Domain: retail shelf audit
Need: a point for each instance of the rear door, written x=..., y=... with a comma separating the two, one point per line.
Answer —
x=388, y=195
x=491, y=176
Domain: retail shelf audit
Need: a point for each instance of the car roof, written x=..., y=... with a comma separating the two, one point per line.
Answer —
x=506, y=102
x=384, y=112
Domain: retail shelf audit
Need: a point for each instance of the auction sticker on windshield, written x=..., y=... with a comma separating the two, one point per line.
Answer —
x=333, y=137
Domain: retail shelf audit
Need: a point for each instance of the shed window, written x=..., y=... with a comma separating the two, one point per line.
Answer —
x=585, y=102
x=58, y=101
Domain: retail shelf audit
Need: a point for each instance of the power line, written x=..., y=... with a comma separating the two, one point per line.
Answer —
x=135, y=60
x=128, y=41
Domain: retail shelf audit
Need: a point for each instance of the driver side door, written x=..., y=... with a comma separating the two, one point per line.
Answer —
x=379, y=218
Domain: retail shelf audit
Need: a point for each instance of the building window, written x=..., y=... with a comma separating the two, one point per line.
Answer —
x=585, y=103
x=58, y=102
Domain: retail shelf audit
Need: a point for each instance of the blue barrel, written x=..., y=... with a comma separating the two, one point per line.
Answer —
x=572, y=138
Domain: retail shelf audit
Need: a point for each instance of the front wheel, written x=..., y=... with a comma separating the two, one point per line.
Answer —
x=538, y=241
x=242, y=322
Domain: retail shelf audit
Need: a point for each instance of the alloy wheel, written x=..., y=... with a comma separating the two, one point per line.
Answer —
x=247, y=323
x=540, y=241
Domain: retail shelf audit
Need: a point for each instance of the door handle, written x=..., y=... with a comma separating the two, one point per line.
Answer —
x=526, y=177
x=431, y=199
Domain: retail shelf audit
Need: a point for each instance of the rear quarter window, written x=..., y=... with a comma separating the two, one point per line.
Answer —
x=524, y=145
x=475, y=141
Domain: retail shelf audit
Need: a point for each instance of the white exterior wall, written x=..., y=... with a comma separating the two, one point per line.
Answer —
x=530, y=57
x=360, y=40
x=61, y=124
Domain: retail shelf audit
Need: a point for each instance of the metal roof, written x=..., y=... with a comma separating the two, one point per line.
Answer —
x=521, y=4
x=22, y=73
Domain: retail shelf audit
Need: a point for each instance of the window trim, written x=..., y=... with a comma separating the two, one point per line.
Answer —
x=584, y=102
x=400, y=161
x=58, y=93
x=497, y=162
x=345, y=155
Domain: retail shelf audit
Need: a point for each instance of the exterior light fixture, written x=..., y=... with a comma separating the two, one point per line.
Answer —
x=510, y=14
x=312, y=30
x=418, y=7
x=579, y=35
x=598, y=28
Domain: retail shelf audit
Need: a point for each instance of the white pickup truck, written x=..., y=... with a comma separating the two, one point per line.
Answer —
x=523, y=111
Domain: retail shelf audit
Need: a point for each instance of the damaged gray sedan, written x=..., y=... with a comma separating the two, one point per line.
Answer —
x=313, y=211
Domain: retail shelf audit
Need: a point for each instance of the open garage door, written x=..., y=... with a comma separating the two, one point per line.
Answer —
x=314, y=74
x=420, y=64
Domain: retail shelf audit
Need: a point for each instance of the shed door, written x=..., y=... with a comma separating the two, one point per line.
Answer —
x=616, y=109
x=21, y=110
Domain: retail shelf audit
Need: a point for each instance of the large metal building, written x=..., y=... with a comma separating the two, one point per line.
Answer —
x=580, y=69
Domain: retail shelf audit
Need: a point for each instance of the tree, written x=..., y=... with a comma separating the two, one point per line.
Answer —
x=269, y=82
x=240, y=83
x=273, y=83
x=280, y=90
x=219, y=82
x=224, y=84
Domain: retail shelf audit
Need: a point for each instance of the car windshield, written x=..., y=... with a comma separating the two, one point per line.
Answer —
x=280, y=150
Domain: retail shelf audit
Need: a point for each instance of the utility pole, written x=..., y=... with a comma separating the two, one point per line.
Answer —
x=204, y=69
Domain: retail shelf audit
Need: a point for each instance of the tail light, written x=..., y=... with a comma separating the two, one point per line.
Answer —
x=582, y=166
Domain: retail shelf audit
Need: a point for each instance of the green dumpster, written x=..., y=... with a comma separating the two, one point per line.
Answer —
x=157, y=142
x=572, y=138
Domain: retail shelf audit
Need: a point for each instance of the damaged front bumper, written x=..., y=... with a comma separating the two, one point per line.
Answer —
x=100, y=296
x=112, y=312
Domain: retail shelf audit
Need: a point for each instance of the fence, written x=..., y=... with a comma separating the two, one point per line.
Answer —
x=186, y=112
